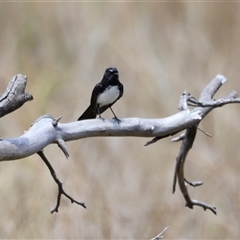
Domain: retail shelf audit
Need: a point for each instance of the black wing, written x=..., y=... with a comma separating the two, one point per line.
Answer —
x=91, y=111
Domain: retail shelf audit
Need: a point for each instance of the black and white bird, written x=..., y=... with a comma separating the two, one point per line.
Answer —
x=104, y=95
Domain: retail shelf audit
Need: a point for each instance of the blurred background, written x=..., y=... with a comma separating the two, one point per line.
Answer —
x=160, y=50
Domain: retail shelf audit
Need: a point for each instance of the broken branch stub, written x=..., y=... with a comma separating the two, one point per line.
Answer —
x=14, y=96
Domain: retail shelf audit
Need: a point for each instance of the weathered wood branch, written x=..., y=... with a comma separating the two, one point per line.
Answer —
x=206, y=104
x=51, y=131
x=14, y=96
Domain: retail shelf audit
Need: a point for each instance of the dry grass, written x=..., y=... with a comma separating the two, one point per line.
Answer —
x=160, y=49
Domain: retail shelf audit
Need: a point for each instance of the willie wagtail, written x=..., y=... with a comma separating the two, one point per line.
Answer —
x=104, y=95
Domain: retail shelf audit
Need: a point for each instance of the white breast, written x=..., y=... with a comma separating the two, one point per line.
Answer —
x=108, y=96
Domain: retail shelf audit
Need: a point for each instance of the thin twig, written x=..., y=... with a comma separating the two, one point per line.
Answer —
x=194, y=184
x=60, y=185
x=206, y=133
x=160, y=235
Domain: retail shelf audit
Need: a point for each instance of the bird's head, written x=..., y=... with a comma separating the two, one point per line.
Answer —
x=111, y=73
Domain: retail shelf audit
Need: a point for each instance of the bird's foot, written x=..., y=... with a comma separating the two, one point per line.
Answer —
x=117, y=119
x=103, y=119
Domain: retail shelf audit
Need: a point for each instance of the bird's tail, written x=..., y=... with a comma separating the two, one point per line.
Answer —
x=88, y=114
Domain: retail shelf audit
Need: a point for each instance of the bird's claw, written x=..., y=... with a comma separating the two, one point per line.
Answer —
x=103, y=119
x=117, y=119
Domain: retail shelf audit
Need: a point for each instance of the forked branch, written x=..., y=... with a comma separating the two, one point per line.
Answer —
x=59, y=183
x=206, y=104
x=51, y=131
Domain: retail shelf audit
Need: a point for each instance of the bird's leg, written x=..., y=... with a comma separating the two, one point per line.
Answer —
x=115, y=117
x=99, y=114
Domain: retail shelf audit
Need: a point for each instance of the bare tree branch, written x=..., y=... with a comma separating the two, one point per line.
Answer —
x=160, y=235
x=14, y=96
x=59, y=183
x=51, y=131
x=207, y=104
x=179, y=171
